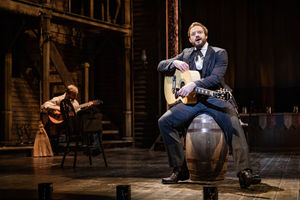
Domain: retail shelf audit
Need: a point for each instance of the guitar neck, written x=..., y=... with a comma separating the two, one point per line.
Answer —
x=83, y=105
x=95, y=102
x=203, y=91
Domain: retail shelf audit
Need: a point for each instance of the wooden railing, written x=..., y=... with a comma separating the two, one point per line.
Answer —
x=104, y=10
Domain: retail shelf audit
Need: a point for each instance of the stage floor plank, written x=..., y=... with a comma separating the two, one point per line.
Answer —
x=142, y=170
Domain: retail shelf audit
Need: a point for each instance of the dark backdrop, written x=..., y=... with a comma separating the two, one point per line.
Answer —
x=261, y=37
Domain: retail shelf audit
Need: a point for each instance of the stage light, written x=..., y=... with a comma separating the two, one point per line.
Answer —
x=123, y=192
x=45, y=191
x=210, y=192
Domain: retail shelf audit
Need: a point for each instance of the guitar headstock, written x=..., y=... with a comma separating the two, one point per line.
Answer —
x=223, y=94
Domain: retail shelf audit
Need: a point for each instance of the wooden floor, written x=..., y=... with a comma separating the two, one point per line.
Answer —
x=142, y=170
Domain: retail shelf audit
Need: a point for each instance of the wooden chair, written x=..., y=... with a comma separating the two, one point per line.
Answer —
x=76, y=138
x=91, y=127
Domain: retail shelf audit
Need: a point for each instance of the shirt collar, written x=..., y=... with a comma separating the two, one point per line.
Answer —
x=203, y=49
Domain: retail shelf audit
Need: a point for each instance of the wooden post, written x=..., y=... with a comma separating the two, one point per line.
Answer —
x=127, y=17
x=92, y=8
x=102, y=12
x=118, y=6
x=7, y=112
x=127, y=74
x=70, y=6
x=172, y=22
x=107, y=11
x=172, y=47
x=128, y=110
x=46, y=55
x=86, y=66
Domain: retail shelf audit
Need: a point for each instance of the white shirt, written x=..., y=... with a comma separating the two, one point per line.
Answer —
x=56, y=102
x=198, y=59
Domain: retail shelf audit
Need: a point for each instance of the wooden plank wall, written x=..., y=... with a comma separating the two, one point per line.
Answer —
x=25, y=106
x=146, y=34
x=76, y=44
x=107, y=70
x=27, y=72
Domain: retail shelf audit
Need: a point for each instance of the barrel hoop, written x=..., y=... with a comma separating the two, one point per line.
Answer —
x=192, y=130
x=196, y=161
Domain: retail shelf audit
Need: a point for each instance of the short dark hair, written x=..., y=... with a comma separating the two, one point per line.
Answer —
x=197, y=24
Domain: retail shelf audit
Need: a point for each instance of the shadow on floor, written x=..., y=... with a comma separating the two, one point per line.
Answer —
x=230, y=186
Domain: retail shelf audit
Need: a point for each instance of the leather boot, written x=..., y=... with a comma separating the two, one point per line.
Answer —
x=246, y=178
x=179, y=174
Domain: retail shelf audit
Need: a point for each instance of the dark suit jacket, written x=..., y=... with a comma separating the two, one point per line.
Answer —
x=213, y=70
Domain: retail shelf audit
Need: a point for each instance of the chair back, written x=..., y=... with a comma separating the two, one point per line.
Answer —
x=69, y=116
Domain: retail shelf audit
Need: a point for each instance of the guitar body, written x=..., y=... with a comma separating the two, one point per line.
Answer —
x=173, y=83
x=182, y=78
x=56, y=117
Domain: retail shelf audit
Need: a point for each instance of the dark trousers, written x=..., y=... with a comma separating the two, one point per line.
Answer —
x=181, y=115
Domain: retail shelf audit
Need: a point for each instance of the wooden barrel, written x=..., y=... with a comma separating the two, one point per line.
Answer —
x=206, y=149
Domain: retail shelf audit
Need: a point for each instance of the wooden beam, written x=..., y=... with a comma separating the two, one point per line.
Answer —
x=7, y=113
x=45, y=19
x=107, y=11
x=86, y=67
x=128, y=97
x=128, y=109
x=70, y=5
x=118, y=6
x=60, y=66
x=172, y=20
x=35, y=10
x=127, y=8
x=92, y=8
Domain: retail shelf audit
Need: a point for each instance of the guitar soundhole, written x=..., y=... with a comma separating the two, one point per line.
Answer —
x=182, y=84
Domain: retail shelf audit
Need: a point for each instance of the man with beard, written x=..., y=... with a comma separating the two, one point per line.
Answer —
x=211, y=62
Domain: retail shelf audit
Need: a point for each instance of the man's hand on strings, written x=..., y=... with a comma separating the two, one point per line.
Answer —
x=56, y=112
x=182, y=66
x=55, y=109
x=187, y=89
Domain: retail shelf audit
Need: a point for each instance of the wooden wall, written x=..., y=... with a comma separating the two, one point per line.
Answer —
x=261, y=38
x=107, y=71
x=73, y=43
x=148, y=26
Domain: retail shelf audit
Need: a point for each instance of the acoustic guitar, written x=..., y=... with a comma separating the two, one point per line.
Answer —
x=56, y=117
x=173, y=83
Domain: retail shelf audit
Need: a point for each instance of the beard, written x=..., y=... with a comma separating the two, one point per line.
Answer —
x=201, y=44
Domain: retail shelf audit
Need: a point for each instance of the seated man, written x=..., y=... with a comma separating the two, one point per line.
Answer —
x=54, y=125
x=211, y=62
x=54, y=104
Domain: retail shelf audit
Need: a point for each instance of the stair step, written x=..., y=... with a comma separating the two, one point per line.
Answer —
x=17, y=150
x=110, y=132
